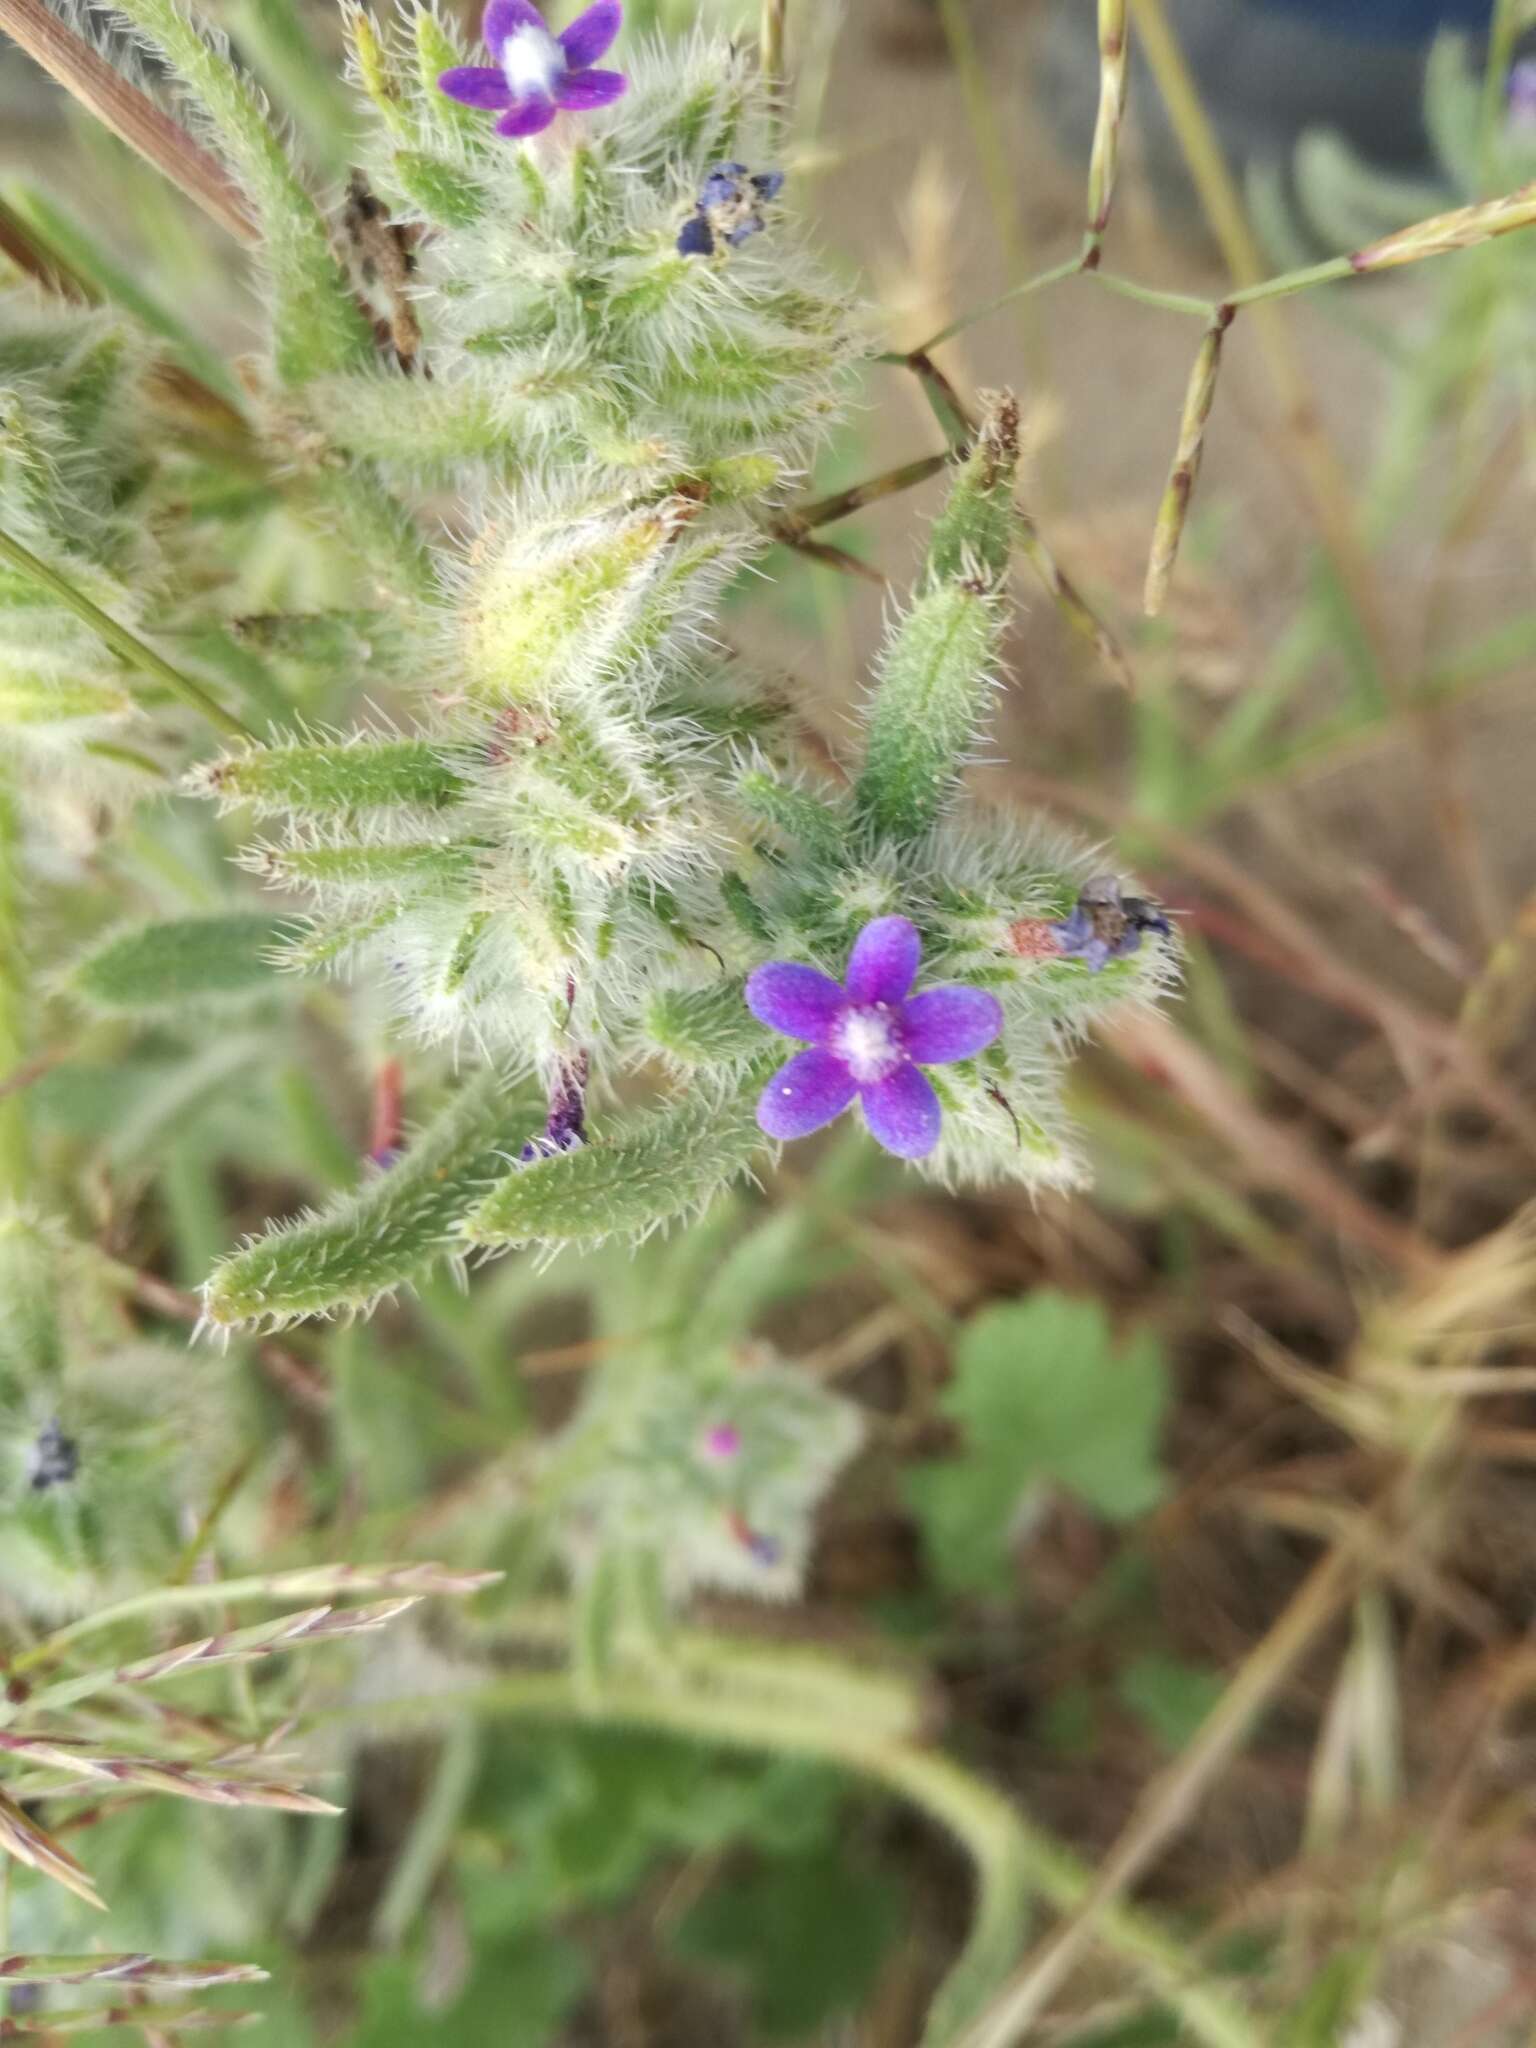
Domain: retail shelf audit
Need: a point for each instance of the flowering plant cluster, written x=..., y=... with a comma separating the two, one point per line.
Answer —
x=391, y=663
x=588, y=845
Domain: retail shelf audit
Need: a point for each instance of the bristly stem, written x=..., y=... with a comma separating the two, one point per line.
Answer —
x=1014, y=1860
x=14, y=1150
x=128, y=646
x=68, y=58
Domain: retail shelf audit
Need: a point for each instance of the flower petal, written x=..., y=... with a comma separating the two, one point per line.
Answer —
x=582, y=90
x=950, y=1024
x=503, y=18
x=529, y=116
x=696, y=237
x=1074, y=930
x=799, y=1001
x=883, y=964
x=903, y=1112
x=591, y=33
x=1097, y=953
x=722, y=185
x=806, y=1092
x=475, y=85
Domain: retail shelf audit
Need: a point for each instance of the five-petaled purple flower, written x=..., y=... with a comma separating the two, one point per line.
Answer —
x=729, y=209
x=536, y=74
x=1106, y=924
x=867, y=1038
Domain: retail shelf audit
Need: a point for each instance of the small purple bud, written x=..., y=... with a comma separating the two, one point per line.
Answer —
x=722, y=1442
x=763, y=1548
x=565, y=1128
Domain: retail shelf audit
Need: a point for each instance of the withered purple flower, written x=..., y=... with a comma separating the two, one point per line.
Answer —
x=868, y=1039
x=729, y=209
x=54, y=1458
x=565, y=1128
x=536, y=74
x=1106, y=924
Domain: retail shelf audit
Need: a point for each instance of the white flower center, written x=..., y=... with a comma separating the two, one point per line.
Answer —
x=532, y=62
x=868, y=1043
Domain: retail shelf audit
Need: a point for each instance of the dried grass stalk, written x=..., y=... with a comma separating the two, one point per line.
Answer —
x=1174, y=510
x=127, y=1969
x=1114, y=77
x=129, y=113
x=151, y=1774
x=32, y=1845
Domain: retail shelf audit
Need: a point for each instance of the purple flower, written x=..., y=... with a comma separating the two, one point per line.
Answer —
x=722, y=1442
x=868, y=1038
x=1520, y=96
x=536, y=73
x=1107, y=925
x=729, y=209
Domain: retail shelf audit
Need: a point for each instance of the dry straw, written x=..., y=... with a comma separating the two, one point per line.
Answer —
x=1114, y=78
x=129, y=113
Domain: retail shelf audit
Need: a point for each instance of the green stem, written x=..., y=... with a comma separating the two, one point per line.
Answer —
x=1012, y=1858
x=128, y=646
x=430, y=1836
x=1038, y=282
x=1291, y=281
x=1149, y=295
x=13, y=997
x=842, y=504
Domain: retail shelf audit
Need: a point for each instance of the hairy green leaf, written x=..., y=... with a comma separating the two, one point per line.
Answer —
x=654, y=1168
x=157, y=968
x=386, y=1233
